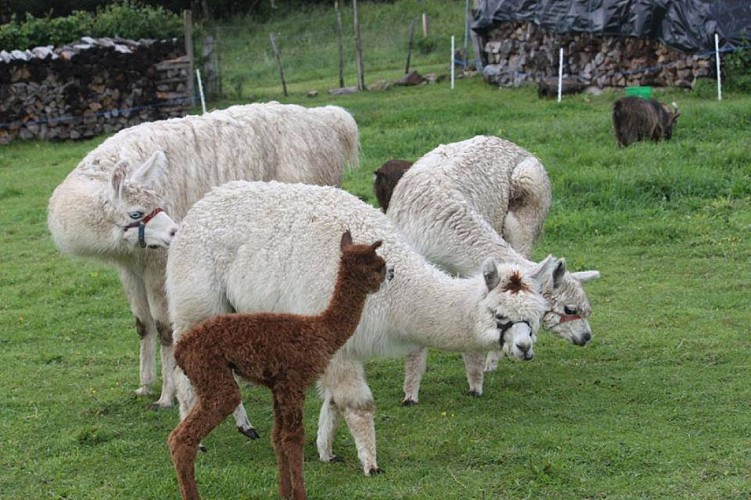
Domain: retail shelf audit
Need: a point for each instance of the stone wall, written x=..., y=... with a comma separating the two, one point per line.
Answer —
x=518, y=52
x=90, y=87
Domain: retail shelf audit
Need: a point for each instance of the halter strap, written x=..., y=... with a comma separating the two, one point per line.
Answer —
x=141, y=225
x=507, y=326
x=568, y=317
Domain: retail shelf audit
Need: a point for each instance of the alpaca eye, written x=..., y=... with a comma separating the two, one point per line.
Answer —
x=500, y=318
x=569, y=310
x=135, y=215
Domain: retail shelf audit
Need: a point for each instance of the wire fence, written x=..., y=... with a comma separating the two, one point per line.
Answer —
x=314, y=56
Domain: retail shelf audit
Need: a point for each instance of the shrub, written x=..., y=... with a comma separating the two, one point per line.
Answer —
x=134, y=21
x=126, y=19
x=737, y=69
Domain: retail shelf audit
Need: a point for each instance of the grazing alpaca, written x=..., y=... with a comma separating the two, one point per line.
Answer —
x=638, y=119
x=163, y=168
x=482, y=197
x=385, y=179
x=284, y=352
x=229, y=255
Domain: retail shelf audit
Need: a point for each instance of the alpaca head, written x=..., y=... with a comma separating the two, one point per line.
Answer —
x=362, y=263
x=385, y=179
x=135, y=207
x=568, y=307
x=516, y=305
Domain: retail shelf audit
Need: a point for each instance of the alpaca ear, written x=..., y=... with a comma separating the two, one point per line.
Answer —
x=118, y=179
x=544, y=269
x=490, y=273
x=346, y=240
x=558, y=273
x=152, y=169
x=376, y=245
x=584, y=276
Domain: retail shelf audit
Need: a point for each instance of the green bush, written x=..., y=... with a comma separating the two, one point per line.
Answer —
x=126, y=19
x=737, y=70
x=134, y=21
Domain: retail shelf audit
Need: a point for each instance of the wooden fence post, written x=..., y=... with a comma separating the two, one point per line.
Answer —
x=188, y=33
x=279, y=63
x=358, y=48
x=425, y=25
x=409, y=46
x=339, y=42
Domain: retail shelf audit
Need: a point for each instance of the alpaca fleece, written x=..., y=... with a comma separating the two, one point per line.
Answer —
x=268, y=246
x=484, y=196
x=169, y=165
x=284, y=352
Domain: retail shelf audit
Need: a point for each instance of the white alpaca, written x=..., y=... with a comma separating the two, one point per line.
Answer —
x=251, y=247
x=453, y=205
x=171, y=164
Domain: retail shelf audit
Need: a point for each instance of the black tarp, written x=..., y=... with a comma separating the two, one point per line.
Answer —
x=687, y=25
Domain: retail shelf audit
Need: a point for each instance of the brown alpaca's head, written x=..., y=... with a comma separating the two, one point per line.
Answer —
x=362, y=263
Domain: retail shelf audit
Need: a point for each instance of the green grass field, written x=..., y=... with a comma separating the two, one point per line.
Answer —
x=658, y=405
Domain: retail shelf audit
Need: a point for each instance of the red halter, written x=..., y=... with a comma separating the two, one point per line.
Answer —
x=141, y=225
x=568, y=317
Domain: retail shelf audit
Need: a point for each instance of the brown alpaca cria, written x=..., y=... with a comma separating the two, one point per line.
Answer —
x=386, y=178
x=284, y=352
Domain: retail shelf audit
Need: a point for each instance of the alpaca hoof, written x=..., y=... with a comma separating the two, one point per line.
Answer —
x=491, y=367
x=250, y=432
x=409, y=402
x=336, y=459
x=202, y=448
x=143, y=391
x=474, y=394
x=156, y=405
x=374, y=471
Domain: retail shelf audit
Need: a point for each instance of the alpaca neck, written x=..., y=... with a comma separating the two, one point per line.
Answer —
x=434, y=310
x=489, y=244
x=344, y=310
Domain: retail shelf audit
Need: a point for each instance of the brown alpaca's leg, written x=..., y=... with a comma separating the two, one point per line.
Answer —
x=217, y=398
x=292, y=438
x=285, y=484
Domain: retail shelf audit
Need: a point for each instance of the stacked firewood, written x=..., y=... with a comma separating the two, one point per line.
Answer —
x=90, y=87
x=517, y=52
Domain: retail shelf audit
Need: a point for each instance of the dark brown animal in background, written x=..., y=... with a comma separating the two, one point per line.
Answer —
x=284, y=352
x=639, y=119
x=386, y=178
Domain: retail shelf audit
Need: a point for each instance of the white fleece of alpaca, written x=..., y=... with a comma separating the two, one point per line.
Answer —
x=250, y=246
x=458, y=202
x=268, y=141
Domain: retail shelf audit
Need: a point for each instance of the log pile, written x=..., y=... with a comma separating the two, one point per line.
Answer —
x=90, y=87
x=517, y=52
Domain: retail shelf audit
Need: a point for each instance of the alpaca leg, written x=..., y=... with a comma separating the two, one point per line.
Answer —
x=491, y=361
x=289, y=407
x=362, y=426
x=135, y=291
x=186, y=399
x=414, y=369
x=168, y=368
x=244, y=426
x=344, y=380
x=473, y=365
x=328, y=422
x=282, y=460
x=154, y=282
x=520, y=237
x=216, y=402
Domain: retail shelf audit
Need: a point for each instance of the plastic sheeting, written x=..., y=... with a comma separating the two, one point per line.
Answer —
x=687, y=25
